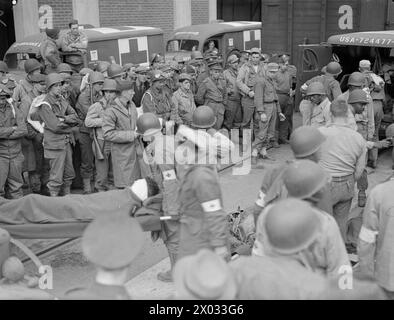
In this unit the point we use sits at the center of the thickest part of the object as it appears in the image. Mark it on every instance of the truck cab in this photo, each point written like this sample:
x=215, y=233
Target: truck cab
x=348, y=49
x=228, y=37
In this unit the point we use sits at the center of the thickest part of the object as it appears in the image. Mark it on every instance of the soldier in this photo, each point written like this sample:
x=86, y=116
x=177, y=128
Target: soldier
x=111, y=243
x=74, y=45
x=119, y=124
x=32, y=148
x=102, y=150
x=116, y=72
x=196, y=59
x=91, y=95
x=102, y=66
x=245, y=55
x=267, y=111
x=344, y=157
x=315, y=108
x=233, y=113
x=32, y=67
x=129, y=68
x=284, y=81
x=246, y=81
x=328, y=79
x=211, y=49
x=50, y=52
x=212, y=93
x=59, y=119
x=12, y=129
x=141, y=84
x=203, y=69
x=204, y=276
x=156, y=61
x=305, y=143
x=157, y=101
x=159, y=163
x=203, y=220
x=375, y=246
x=183, y=99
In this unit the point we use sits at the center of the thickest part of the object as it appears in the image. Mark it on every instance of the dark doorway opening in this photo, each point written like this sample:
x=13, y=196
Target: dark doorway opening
x=239, y=10
x=7, y=29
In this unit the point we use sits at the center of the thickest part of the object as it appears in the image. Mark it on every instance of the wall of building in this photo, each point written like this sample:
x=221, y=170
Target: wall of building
x=200, y=9
x=61, y=12
x=138, y=12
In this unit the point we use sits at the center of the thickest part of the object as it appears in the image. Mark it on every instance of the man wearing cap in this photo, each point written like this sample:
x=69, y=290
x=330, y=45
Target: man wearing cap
x=375, y=84
x=32, y=67
x=328, y=79
x=111, y=243
x=212, y=93
x=204, y=276
x=59, y=119
x=102, y=150
x=203, y=220
x=141, y=84
x=183, y=99
x=343, y=156
x=89, y=96
x=49, y=51
x=267, y=112
x=12, y=129
x=32, y=147
x=233, y=113
x=156, y=100
x=119, y=124
x=246, y=81
x=74, y=43
x=245, y=54
x=284, y=81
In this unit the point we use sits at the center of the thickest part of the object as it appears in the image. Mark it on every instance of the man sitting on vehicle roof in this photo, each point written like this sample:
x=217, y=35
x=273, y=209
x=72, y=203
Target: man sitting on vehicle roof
x=74, y=44
x=49, y=51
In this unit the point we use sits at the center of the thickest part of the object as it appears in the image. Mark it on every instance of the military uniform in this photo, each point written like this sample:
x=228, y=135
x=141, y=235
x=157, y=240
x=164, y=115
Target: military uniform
x=283, y=84
x=159, y=103
x=266, y=101
x=11, y=156
x=246, y=80
x=79, y=59
x=119, y=124
x=85, y=100
x=331, y=85
x=233, y=114
x=184, y=104
x=212, y=93
x=23, y=88
x=50, y=53
x=57, y=141
x=203, y=220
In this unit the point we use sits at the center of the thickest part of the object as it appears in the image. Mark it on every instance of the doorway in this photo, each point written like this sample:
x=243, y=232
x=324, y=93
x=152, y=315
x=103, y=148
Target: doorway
x=7, y=29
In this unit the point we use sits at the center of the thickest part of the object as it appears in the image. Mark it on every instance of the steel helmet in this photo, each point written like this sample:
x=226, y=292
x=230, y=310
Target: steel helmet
x=303, y=178
x=315, y=88
x=53, y=78
x=291, y=225
x=3, y=67
x=96, y=77
x=64, y=67
x=356, y=79
x=85, y=71
x=102, y=66
x=110, y=85
x=115, y=70
x=306, y=140
x=334, y=68
x=156, y=75
x=148, y=124
x=31, y=65
x=358, y=96
x=203, y=118
x=390, y=131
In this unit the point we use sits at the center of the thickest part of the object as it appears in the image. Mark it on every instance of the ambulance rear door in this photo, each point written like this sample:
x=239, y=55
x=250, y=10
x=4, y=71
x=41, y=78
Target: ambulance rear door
x=311, y=59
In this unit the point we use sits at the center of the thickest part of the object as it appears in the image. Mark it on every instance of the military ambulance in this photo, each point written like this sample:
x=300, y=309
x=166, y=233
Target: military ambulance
x=124, y=43
x=348, y=49
x=227, y=37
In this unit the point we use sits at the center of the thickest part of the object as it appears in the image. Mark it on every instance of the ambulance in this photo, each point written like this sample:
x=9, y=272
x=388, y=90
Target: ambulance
x=228, y=37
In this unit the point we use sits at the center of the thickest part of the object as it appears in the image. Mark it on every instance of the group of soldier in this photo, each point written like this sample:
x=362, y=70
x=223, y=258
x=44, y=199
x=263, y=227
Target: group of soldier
x=131, y=122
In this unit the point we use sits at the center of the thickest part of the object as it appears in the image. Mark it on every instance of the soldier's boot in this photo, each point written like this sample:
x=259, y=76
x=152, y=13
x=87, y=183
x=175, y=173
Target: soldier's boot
x=254, y=156
x=87, y=187
x=362, y=199
x=67, y=190
x=166, y=276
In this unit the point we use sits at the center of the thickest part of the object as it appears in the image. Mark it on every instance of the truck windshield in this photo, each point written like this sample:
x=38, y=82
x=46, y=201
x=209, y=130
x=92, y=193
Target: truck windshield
x=182, y=45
